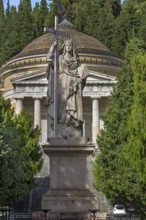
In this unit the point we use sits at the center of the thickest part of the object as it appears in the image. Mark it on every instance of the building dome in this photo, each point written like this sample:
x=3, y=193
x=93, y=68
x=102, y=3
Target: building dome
x=83, y=42
x=32, y=58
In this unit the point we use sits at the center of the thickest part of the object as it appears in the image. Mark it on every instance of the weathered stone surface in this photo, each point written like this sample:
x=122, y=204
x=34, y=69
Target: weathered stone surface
x=75, y=141
x=69, y=202
x=69, y=187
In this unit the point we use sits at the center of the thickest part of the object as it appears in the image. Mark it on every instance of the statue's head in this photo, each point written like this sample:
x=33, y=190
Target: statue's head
x=68, y=46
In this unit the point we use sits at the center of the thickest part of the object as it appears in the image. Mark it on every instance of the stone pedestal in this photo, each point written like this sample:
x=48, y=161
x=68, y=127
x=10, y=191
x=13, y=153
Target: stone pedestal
x=69, y=191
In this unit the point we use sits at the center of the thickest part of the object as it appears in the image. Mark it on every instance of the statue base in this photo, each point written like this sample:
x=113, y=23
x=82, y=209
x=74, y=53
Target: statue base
x=69, y=192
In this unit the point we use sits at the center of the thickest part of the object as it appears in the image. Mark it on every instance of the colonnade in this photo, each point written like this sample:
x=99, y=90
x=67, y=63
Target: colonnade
x=37, y=109
x=37, y=114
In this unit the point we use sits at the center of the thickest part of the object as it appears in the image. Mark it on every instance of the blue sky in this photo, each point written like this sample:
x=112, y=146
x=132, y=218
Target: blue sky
x=16, y=2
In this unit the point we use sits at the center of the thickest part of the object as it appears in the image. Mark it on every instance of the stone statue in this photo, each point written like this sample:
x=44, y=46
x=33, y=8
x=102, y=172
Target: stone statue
x=71, y=80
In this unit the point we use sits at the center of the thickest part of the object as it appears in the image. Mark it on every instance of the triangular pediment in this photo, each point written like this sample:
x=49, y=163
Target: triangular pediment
x=39, y=76
x=97, y=76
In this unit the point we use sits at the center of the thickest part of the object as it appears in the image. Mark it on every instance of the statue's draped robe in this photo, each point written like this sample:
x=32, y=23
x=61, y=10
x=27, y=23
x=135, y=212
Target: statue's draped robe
x=71, y=79
x=69, y=92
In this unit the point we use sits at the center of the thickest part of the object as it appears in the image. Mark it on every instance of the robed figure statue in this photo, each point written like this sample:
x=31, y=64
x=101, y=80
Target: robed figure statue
x=70, y=83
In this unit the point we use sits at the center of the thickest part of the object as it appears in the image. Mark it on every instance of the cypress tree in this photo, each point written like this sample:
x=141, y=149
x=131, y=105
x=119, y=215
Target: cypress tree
x=81, y=15
x=8, y=9
x=142, y=25
x=53, y=11
x=111, y=171
x=86, y=16
x=67, y=9
x=116, y=8
x=37, y=28
x=119, y=36
x=126, y=26
x=108, y=167
x=10, y=46
x=2, y=20
x=96, y=18
x=105, y=22
x=135, y=150
x=1, y=12
x=2, y=29
x=43, y=14
x=25, y=27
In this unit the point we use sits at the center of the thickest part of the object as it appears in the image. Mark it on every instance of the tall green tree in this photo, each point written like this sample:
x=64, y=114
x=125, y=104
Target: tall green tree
x=116, y=8
x=82, y=12
x=8, y=9
x=39, y=14
x=142, y=14
x=67, y=9
x=96, y=18
x=105, y=23
x=86, y=16
x=135, y=150
x=119, y=36
x=111, y=171
x=49, y=22
x=20, y=155
x=1, y=12
x=10, y=45
x=126, y=26
x=2, y=28
x=42, y=15
x=108, y=167
x=37, y=25
x=25, y=27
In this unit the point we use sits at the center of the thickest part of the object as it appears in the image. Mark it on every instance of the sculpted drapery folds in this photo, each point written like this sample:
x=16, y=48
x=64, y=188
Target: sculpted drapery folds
x=70, y=83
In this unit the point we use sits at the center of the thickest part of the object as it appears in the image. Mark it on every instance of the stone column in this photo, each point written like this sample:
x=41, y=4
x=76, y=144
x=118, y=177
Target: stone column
x=37, y=112
x=19, y=106
x=95, y=118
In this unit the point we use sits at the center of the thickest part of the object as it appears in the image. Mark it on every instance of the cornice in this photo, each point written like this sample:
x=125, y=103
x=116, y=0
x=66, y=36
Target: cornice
x=37, y=60
x=30, y=83
x=25, y=64
x=98, y=82
x=39, y=89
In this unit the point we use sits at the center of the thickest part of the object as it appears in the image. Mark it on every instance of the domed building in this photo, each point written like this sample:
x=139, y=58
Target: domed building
x=25, y=82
